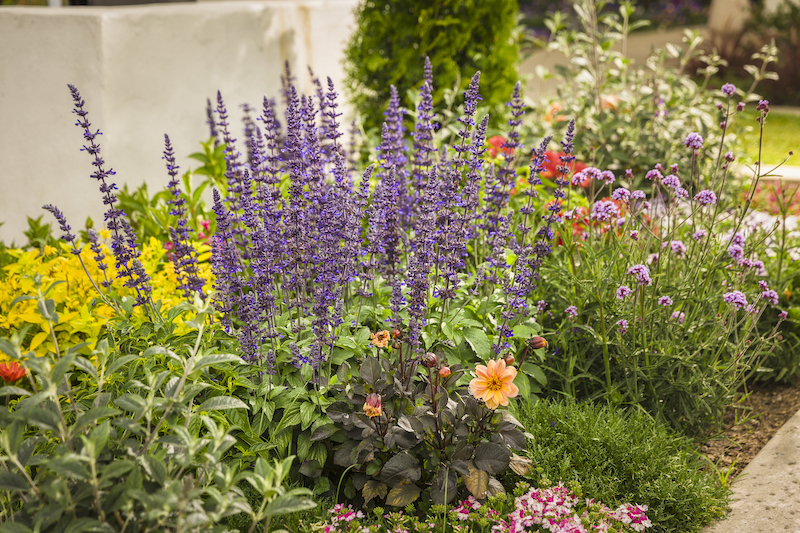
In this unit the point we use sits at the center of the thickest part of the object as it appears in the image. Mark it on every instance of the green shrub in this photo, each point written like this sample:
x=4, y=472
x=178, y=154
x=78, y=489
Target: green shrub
x=460, y=37
x=619, y=456
x=119, y=441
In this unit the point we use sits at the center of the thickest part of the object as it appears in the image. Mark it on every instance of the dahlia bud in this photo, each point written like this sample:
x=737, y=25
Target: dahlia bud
x=444, y=372
x=372, y=407
x=537, y=342
x=430, y=360
x=396, y=345
x=509, y=359
x=396, y=333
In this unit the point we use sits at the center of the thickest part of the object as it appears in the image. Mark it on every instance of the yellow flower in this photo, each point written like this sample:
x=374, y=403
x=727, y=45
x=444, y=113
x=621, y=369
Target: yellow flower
x=105, y=234
x=494, y=383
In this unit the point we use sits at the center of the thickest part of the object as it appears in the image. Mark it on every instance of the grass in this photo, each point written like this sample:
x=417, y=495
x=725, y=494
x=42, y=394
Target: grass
x=620, y=456
x=781, y=135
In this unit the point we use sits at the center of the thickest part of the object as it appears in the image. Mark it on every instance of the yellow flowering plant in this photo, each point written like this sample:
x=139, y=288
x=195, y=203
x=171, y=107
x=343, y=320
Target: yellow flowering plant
x=82, y=313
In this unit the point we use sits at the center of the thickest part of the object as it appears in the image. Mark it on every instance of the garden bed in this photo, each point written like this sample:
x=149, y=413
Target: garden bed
x=749, y=425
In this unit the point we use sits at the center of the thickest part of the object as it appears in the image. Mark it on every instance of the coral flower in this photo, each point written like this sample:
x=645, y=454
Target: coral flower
x=380, y=339
x=494, y=383
x=11, y=371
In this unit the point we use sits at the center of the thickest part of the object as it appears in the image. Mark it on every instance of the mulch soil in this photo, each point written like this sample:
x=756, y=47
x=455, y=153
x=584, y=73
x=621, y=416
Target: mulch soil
x=749, y=425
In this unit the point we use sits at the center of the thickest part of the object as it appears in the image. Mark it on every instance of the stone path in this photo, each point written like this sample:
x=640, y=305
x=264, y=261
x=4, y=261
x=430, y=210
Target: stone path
x=766, y=496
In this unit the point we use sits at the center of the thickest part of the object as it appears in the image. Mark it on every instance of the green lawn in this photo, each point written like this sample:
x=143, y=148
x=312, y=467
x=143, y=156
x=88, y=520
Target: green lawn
x=781, y=135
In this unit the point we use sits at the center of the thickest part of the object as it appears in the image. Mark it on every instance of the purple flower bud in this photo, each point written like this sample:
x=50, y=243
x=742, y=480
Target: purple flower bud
x=729, y=157
x=571, y=311
x=623, y=291
x=728, y=89
x=740, y=106
x=622, y=326
x=665, y=301
x=694, y=140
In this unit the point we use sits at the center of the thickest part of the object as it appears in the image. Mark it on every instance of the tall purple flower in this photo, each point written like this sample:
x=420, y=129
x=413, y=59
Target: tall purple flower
x=123, y=239
x=185, y=255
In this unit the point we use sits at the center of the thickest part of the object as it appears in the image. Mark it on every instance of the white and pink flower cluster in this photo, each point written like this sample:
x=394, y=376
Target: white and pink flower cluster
x=341, y=516
x=554, y=510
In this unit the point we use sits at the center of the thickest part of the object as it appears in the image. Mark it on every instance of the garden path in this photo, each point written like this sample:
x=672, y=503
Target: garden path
x=766, y=497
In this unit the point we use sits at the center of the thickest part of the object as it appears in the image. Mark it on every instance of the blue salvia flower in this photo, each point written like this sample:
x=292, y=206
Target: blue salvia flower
x=99, y=256
x=212, y=125
x=330, y=116
x=249, y=130
x=471, y=98
x=65, y=228
x=123, y=240
x=392, y=152
x=423, y=133
x=421, y=260
x=272, y=168
x=232, y=164
x=225, y=264
x=185, y=261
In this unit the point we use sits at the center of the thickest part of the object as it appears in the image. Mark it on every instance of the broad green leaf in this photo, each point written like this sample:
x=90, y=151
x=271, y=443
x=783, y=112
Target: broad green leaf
x=535, y=372
x=220, y=403
x=9, y=481
x=120, y=362
x=479, y=342
x=293, y=501
x=402, y=495
x=323, y=432
x=92, y=415
x=217, y=359
x=308, y=413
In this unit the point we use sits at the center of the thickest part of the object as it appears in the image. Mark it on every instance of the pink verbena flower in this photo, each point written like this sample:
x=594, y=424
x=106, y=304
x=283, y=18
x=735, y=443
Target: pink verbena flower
x=642, y=274
x=736, y=298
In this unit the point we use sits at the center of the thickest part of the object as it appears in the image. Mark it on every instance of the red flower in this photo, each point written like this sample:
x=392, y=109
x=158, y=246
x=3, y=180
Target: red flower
x=553, y=160
x=11, y=371
x=496, y=146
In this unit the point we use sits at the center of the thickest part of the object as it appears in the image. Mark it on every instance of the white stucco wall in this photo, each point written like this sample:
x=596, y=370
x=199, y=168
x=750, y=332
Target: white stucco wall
x=143, y=71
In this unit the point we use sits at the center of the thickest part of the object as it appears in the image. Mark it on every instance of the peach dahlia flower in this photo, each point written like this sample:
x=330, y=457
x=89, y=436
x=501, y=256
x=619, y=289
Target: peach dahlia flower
x=494, y=383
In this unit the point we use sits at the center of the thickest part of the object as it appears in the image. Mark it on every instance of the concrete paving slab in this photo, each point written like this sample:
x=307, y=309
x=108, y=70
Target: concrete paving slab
x=766, y=496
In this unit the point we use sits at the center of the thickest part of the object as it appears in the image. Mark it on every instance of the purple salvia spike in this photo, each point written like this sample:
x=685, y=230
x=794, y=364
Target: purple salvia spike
x=212, y=125
x=185, y=256
x=123, y=241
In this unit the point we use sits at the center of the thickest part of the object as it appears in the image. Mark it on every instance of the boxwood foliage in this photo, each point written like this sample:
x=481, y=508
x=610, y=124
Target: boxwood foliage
x=393, y=37
x=621, y=456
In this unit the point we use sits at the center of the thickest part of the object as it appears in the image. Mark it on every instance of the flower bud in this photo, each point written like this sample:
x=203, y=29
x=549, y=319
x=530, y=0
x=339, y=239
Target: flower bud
x=430, y=360
x=509, y=359
x=396, y=345
x=372, y=407
x=537, y=342
x=396, y=333
x=444, y=372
